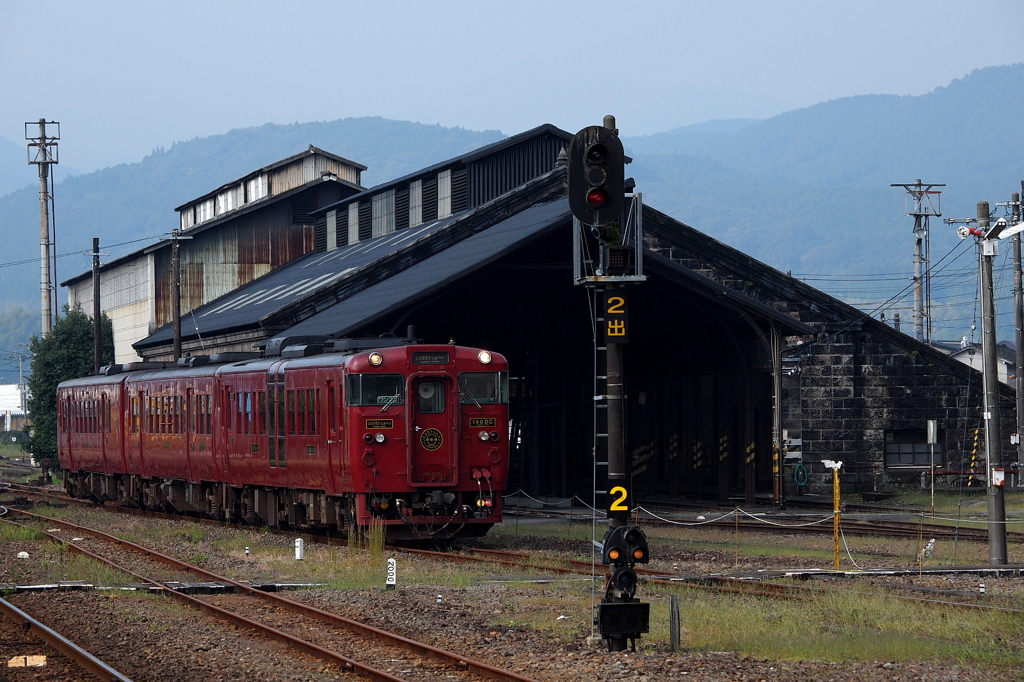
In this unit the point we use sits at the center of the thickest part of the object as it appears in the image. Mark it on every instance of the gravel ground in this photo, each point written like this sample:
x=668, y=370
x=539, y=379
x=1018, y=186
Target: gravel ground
x=154, y=638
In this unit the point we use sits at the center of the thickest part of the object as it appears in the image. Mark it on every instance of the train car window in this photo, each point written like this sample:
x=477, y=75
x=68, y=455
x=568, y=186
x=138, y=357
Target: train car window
x=430, y=397
x=312, y=398
x=376, y=389
x=208, y=410
x=483, y=388
x=261, y=411
x=135, y=414
x=301, y=420
x=248, y=412
x=291, y=413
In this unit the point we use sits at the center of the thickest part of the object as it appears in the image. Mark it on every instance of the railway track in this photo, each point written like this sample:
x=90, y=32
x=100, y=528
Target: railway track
x=89, y=663
x=720, y=583
x=281, y=618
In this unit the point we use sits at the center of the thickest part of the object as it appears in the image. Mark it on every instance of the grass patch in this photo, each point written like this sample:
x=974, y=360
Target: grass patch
x=838, y=626
x=73, y=566
x=12, y=533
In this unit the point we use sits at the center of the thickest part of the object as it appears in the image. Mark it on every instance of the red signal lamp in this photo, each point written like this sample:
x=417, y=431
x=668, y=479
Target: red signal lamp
x=597, y=197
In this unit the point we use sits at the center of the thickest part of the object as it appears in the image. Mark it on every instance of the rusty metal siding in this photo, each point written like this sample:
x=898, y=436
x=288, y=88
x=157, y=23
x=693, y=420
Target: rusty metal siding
x=219, y=261
x=497, y=173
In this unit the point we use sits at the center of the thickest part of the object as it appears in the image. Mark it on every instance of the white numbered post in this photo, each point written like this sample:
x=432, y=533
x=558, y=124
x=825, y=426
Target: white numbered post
x=392, y=579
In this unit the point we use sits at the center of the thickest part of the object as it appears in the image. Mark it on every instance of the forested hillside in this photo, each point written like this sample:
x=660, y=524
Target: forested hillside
x=806, y=191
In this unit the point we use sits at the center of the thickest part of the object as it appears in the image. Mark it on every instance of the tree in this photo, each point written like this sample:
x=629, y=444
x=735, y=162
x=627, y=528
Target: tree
x=67, y=353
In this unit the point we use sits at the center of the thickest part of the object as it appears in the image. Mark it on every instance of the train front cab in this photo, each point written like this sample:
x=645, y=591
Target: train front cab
x=427, y=433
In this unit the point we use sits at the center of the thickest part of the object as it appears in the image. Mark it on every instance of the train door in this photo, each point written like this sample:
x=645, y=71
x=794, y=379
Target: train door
x=434, y=417
x=334, y=438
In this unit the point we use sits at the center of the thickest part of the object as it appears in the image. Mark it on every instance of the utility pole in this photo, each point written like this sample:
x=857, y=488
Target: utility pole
x=176, y=238
x=176, y=293
x=45, y=155
x=925, y=203
x=1018, y=319
x=993, y=425
x=96, y=327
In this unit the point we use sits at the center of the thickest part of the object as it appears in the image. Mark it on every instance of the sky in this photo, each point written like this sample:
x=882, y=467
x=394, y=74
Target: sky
x=124, y=78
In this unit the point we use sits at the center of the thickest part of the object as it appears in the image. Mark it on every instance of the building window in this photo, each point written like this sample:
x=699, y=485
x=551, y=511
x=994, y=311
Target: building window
x=383, y=214
x=353, y=222
x=256, y=188
x=415, y=203
x=188, y=218
x=204, y=210
x=332, y=230
x=444, y=194
x=910, y=448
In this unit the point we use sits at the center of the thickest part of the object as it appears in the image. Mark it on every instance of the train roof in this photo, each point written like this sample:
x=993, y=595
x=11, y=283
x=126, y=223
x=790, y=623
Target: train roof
x=259, y=364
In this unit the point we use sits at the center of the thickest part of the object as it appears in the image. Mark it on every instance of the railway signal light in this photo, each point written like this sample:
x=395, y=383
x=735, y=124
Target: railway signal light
x=597, y=180
x=625, y=545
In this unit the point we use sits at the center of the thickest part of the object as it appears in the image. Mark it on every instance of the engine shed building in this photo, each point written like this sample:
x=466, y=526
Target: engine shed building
x=726, y=354
x=238, y=232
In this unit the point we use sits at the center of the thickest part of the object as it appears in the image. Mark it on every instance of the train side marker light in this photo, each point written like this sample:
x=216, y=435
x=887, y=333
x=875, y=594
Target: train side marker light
x=368, y=438
x=484, y=357
x=484, y=435
x=376, y=359
x=379, y=438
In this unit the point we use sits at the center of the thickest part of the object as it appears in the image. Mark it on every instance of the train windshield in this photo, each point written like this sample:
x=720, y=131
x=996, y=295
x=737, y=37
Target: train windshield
x=483, y=388
x=376, y=389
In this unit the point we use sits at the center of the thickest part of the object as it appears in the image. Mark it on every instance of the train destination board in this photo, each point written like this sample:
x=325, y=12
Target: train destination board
x=430, y=358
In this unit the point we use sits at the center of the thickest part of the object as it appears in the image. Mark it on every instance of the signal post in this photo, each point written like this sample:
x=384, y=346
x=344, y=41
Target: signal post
x=597, y=191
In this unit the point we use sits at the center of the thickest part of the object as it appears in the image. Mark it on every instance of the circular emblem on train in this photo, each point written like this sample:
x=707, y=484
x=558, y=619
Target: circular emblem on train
x=431, y=439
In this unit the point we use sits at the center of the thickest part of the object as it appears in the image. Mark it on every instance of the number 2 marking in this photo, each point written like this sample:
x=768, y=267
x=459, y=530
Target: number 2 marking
x=618, y=505
x=615, y=304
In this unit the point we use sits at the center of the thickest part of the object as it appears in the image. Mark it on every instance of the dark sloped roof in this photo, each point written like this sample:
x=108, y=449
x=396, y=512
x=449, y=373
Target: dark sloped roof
x=428, y=276
x=307, y=285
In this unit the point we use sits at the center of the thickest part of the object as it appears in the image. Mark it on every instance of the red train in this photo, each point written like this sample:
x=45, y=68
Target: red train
x=336, y=434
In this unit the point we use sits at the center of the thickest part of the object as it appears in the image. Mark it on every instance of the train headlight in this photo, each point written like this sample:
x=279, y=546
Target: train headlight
x=376, y=359
x=484, y=357
x=379, y=438
x=484, y=435
x=368, y=438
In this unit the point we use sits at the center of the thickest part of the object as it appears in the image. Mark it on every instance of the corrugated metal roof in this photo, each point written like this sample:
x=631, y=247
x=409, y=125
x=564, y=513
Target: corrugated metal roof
x=438, y=271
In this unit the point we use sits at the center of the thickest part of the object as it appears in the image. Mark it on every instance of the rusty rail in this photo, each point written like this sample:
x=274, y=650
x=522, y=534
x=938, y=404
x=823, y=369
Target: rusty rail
x=87, y=661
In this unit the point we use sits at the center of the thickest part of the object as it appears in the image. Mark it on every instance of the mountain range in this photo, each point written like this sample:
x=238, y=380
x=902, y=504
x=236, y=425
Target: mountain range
x=806, y=191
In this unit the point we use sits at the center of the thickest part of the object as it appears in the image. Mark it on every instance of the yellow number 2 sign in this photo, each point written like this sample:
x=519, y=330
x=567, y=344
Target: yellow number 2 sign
x=619, y=503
